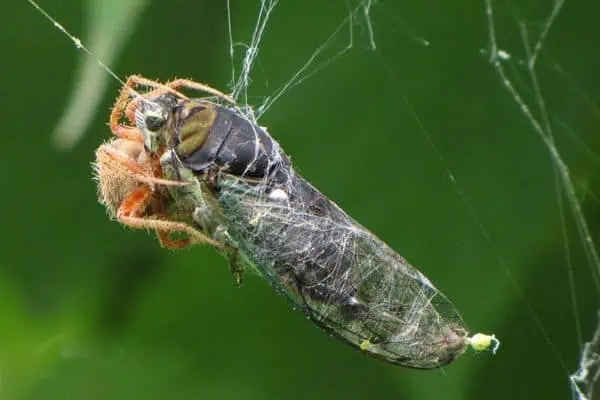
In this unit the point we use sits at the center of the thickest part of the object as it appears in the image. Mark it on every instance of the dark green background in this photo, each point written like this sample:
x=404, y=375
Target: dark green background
x=89, y=310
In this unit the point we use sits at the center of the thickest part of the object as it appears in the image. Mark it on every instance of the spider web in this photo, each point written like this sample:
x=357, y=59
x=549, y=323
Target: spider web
x=526, y=89
x=522, y=81
x=339, y=41
x=519, y=48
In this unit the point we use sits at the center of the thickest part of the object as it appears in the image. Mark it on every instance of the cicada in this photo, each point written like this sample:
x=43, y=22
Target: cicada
x=238, y=189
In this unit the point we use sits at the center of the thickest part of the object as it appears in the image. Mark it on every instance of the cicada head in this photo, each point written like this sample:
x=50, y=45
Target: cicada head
x=171, y=122
x=153, y=118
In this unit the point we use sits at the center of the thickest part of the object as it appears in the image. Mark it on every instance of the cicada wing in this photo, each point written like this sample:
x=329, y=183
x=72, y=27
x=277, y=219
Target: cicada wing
x=345, y=279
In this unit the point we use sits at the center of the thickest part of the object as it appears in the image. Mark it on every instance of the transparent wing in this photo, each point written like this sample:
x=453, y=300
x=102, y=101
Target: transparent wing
x=342, y=276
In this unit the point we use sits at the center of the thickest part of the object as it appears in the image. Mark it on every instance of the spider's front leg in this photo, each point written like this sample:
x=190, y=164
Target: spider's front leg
x=200, y=87
x=129, y=100
x=125, y=104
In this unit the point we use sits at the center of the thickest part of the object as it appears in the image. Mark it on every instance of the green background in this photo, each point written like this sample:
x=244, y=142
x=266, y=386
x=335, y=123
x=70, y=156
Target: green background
x=420, y=143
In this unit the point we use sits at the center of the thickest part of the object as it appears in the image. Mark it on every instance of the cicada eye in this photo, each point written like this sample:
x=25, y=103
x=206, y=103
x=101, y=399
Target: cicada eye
x=154, y=122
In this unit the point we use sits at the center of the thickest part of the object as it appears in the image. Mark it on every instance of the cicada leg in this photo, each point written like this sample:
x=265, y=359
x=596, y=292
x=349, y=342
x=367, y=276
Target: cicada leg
x=235, y=266
x=231, y=252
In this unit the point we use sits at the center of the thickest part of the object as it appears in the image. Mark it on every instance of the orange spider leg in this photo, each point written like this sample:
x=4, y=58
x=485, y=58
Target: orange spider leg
x=125, y=132
x=165, y=228
x=187, y=83
x=130, y=110
x=137, y=80
x=131, y=213
x=173, y=86
x=167, y=242
x=135, y=170
x=123, y=103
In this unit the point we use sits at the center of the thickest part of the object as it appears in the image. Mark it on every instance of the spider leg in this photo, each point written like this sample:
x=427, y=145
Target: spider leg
x=134, y=169
x=122, y=103
x=167, y=242
x=131, y=213
x=125, y=106
x=173, y=86
x=189, y=84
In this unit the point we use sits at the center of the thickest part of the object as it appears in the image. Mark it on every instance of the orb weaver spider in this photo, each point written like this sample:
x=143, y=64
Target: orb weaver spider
x=130, y=180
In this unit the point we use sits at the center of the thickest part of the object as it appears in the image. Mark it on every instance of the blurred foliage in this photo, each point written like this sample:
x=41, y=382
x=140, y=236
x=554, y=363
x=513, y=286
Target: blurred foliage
x=91, y=310
x=109, y=25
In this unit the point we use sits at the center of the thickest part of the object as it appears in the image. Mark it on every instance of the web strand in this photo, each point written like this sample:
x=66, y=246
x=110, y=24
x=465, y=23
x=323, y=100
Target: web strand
x=584, y=379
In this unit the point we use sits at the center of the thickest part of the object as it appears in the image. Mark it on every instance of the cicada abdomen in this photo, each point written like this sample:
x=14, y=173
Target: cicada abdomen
x=343, y=277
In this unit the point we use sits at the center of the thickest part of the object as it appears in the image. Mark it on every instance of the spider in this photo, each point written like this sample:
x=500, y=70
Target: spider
x=130, y=180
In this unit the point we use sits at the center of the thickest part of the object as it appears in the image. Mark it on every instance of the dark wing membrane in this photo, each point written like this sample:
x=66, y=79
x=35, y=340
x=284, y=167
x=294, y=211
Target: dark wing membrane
x=344, y=278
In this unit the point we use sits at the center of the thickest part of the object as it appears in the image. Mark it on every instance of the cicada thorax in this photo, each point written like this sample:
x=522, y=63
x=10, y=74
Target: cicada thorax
x=343, y=277
x=201, y=140
x=207, y=136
